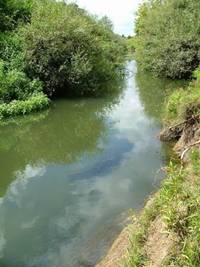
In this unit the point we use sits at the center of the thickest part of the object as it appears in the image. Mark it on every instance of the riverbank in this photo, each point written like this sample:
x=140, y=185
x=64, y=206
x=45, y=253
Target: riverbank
x=166, y=233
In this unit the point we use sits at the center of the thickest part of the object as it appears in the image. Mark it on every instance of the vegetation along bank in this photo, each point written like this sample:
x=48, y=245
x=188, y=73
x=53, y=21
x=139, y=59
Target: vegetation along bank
x=50, y=49
x=167, y=231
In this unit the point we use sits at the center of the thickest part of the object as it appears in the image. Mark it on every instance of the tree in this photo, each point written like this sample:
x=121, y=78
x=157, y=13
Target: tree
x=12, y=12
x=69, y=50
x=105, y=21
x=168, y=37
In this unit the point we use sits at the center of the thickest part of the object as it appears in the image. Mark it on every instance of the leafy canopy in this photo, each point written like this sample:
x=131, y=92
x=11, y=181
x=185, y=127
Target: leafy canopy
x=168, y=37
x=71, y=51
x=52, y=48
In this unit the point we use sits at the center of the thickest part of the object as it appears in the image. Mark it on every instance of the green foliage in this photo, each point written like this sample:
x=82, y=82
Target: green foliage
x=196, y=75
x=195, y=159
x=15, y=85
x=56, y=48
x=168, y=37
x=184, y=103
x=19, y=94
x=11, y=51
x=137, y=255
x=130, y=42
x=69, y=50
x=13, y=12
x=178, y=204
x=21, y=107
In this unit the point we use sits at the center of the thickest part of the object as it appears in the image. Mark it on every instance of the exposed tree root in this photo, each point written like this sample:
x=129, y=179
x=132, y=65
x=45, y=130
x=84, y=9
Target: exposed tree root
x=186, y=133
x=188, y=148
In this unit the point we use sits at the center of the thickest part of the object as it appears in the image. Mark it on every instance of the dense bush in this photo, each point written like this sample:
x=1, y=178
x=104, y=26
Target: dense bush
x=12, y=51
x=130, y=42
x=13, y=12
x=21, y=107
x=168, y=37
x=69, y=50
x=15, y=85
x=56, y=48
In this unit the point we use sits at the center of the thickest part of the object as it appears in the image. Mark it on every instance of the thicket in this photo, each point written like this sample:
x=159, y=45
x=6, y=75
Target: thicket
x=168, y=37
x=69, y=50
x=130, y=42
x=13, y=12
x=56, y=49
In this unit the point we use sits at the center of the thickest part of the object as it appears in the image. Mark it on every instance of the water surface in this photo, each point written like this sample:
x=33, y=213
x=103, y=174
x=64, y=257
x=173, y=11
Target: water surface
x=69, y=175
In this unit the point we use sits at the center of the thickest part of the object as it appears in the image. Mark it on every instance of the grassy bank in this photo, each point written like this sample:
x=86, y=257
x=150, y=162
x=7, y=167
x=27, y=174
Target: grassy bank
x=168, y=230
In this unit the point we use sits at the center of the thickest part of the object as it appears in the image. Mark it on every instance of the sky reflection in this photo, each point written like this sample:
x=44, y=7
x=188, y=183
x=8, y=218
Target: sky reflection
x=60, y=213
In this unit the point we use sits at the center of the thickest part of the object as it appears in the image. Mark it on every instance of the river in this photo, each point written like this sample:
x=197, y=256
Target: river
x=69, y=175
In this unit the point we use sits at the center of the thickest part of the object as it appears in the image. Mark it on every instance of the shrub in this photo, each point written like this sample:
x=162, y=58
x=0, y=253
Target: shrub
x=21, y=107
x=55, y=48
x=13, y=12
x=15, y=85
x=69, y=50
x=168, y=37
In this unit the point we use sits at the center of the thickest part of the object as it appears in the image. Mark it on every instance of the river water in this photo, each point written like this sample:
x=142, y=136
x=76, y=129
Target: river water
x=69, y=175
